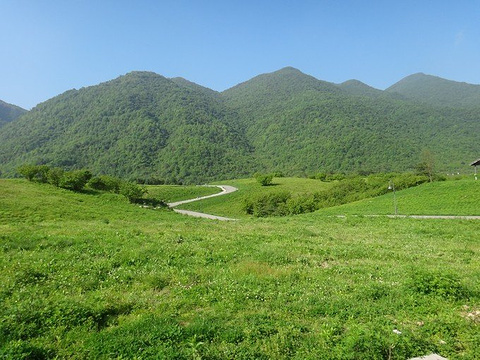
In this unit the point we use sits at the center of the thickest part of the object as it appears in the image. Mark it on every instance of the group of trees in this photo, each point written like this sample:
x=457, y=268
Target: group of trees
x=78, y=180
x=283, y=203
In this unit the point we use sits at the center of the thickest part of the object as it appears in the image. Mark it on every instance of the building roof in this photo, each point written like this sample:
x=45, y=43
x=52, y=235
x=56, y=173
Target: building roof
x=475, y=163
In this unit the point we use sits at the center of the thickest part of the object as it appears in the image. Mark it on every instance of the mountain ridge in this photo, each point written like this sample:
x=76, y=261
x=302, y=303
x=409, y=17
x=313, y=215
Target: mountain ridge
x=144, y=125
x=9, y=112
x=437, y=91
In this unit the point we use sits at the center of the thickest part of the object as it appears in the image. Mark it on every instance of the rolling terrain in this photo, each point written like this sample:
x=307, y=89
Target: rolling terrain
x=145, y=126
x=89, y=275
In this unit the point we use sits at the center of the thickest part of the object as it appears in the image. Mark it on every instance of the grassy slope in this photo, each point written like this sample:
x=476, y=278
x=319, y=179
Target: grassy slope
x=233, y=205
x=91, y=276
x=171, y=193
x=461, y=197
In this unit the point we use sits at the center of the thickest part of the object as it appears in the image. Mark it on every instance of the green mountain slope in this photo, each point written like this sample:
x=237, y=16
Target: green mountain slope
x=355, y=87
x=140, y=125
x=437, y=91
x=298, y=124
x=9, y=112
x=143, y=125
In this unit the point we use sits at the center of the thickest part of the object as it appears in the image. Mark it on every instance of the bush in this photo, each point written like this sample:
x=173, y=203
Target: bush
x=75, y=180
x=55, y=175
x=273, y=204
x=105, y=183
x=34, y=172
x=132, y=192
x=264, y=179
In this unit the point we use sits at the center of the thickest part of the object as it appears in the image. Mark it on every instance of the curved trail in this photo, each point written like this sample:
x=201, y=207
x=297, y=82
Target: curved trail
x=226, y=189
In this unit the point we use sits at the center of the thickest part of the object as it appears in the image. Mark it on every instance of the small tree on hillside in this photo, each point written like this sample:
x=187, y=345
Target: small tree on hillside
x=132, y=192
x=55, y=175
x=426, y=166
x=34, y=172
x=264, y=179
x=75, y=180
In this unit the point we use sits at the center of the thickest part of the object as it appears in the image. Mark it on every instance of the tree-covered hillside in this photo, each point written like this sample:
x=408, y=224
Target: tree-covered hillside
x=140, y=125
x=143, y=125
x=9, y=112
x=297, y=124
x=437, y=91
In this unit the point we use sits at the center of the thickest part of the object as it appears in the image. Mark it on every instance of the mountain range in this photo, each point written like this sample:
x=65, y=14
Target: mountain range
x=143, y=125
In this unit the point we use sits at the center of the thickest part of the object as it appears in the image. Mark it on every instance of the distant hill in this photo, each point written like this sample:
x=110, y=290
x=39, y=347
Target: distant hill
x=436, y=91
x=355, y=87
x=9, y=112
x=143, y=125
x=195, y=87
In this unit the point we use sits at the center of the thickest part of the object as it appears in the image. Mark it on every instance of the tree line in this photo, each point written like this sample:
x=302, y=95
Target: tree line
x=82, y=179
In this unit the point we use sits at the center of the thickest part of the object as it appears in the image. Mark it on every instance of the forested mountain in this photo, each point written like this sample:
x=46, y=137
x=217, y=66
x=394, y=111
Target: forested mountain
x=355, y=87
x=140, y=125
x=9, y=112
x=437, y=91
x=297, y=123
x=143, y=125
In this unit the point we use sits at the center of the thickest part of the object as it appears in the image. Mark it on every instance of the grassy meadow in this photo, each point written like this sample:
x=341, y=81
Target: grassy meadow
x=454, y=197
x=172, y=193
x=90, y=276
x=233, y=207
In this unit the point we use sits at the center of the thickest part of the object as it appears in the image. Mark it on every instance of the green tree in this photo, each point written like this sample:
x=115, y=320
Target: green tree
x=28, y=171
x=55, y=175
x=132, y=192
x=75, y=180
x=34, y=172
x=426, y=166
x=264, y=179
x=105, y=183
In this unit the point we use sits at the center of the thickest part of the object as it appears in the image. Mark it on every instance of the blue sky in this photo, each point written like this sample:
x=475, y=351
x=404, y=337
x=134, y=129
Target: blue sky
x=51, y=46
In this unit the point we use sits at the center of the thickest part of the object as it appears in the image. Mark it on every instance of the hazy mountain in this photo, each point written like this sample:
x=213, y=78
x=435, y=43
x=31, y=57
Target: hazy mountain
x=355, y=87
x=437, y=91
x=9, y=112
x=144, y=125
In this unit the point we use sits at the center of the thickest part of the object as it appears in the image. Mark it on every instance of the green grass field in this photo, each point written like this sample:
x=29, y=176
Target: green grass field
x=171, y=193
x=90, y=276
x=233, y=205
x=454, y=197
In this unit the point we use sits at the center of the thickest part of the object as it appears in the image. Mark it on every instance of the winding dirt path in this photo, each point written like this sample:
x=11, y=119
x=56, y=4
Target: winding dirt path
x=226, y=189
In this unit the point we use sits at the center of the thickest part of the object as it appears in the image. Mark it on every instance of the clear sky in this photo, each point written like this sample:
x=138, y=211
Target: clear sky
x=51, y=46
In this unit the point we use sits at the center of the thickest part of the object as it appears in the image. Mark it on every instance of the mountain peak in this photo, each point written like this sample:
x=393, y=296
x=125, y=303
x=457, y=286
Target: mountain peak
x=435, y=90
x=9, y=112
x=356, y=87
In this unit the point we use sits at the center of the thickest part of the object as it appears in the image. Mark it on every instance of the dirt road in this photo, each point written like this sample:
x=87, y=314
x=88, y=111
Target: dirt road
x=226, y=189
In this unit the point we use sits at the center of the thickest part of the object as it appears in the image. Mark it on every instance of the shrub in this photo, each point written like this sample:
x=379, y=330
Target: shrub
x=54, y=176
x=264, y=179
x=132, y=192
x=75, y=180
x=34, y=172
x=105, y=183
x=272, y=204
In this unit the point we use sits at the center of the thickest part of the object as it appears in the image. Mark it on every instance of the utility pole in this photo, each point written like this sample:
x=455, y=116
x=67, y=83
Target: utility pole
x=391, y=186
